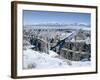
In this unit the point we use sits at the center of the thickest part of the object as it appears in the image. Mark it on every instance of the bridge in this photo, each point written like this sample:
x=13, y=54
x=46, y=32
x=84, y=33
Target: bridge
x=67, y=39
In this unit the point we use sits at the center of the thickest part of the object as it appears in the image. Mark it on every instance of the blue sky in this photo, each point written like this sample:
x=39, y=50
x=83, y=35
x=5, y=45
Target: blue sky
x=37, y=17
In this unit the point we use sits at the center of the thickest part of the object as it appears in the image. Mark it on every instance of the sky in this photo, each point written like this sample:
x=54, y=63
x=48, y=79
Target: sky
x=31, y=17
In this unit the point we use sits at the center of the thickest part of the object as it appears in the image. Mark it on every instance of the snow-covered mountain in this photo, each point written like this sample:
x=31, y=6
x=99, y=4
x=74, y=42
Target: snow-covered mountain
x=59, y=26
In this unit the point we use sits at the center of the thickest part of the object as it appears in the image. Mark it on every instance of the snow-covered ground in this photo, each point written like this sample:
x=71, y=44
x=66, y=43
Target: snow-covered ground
x=39, y=60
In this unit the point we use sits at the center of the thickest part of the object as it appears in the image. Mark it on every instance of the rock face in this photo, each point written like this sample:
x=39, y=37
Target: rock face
x=40, y=45
x=79, y=49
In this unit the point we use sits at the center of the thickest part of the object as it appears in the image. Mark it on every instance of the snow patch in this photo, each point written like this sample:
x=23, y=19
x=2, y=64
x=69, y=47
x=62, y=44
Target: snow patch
x=34, y=59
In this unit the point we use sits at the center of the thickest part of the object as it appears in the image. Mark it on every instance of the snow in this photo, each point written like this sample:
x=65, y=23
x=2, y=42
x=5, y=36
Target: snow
x=82, y=63
x=39, y=60
x=52, y=53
